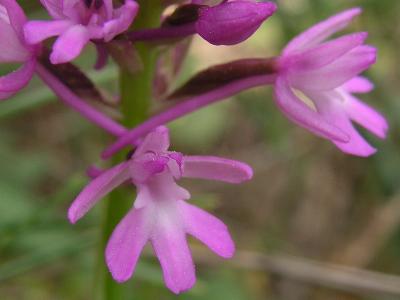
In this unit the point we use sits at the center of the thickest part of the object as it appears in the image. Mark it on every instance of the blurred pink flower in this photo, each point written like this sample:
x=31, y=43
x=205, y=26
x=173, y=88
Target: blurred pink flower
x=326, y=73
x=13, y=49
x=160, y=213
x=76, y=22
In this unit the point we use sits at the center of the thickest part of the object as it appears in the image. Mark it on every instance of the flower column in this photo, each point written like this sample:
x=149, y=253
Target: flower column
x=135, y=93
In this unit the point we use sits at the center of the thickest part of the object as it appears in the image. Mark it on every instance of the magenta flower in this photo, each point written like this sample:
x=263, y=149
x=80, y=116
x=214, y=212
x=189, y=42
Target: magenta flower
x=76, y=22
x=326, y=73
x=227, y=23
x=232, y=22
x=13, y=49
x=160, y=213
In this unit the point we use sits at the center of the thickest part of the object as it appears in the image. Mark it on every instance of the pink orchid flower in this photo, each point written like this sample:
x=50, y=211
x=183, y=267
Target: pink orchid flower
x=326, y=72
x=76, y=22
x=160, y=213
x=13, y=49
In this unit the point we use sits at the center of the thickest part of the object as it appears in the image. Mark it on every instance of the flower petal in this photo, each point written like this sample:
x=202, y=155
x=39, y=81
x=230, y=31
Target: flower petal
x=230, y=23
x=330, y=105
x=156, y=141
x=18, y=79
x=70, y=44
x=171, y=248
x=327, y=52
x=337, y=73
x=366, y=116
x=302, y=115
x=359, y=85
x=54, y=8
x=123, y=17
x=38, y=31
x=126, y=243
x=216, y=168
x=97, y=189
x=321, y=31
x=11, y=48
x=208, y=229
x=16, y=16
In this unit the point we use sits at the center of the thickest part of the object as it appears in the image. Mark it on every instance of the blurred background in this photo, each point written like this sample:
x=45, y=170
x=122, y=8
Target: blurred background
x=314, y=224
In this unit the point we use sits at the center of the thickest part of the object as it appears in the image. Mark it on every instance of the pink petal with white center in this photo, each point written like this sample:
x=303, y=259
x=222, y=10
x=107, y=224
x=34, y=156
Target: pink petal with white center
x=18, y=79
x=16, y=16
x=123, y=18
x=208, y=229
x=321, y=31
x=337, y=73
x=358, y=85
x=97, y=189
x=70, y=44
x=54, y=8
x=330, y=105
x=326, y=53
x=366, y=116
x=299, y=113
x=156, y=141
x=38, y=31
x=11, y=48
x=171, y=248
x=126, y=243
x=216, y=168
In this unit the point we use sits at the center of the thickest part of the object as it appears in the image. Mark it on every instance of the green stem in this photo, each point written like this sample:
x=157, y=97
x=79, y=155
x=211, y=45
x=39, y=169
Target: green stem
x=136, y=93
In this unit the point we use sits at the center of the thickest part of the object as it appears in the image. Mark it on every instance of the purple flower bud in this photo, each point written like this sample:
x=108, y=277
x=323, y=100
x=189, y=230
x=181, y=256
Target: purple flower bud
x=232, y=22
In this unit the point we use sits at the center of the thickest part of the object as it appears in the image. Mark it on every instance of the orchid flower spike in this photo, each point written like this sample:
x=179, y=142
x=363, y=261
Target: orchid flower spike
x=324, y=74
x=160, y=213
x=76, y=22
x=14, y=49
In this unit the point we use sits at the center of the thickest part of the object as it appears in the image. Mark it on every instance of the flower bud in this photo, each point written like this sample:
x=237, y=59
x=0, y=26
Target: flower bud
x=232, y=22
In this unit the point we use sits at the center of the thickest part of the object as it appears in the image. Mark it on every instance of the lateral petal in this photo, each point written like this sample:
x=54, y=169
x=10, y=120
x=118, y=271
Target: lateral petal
x=216, y=168
x=337, y=73
x=327, y=52
x=302, y=115
x=208, y=229
x=16, y=16
x=70, y=44
x=126, y=243
x=18, y=79
x=54, y=8
x=97, y=189
x=38, y=31
x=321, y=31
x=366, y=116
x=11, y=47
x=123, y=18
x=330, y=106
x=358, y=85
